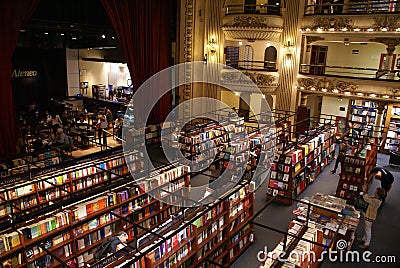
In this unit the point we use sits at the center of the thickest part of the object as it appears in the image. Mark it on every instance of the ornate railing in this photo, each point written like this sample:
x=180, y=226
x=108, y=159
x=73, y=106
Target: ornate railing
x=351, y=72
x=252, y=65
x=352, y=7
x=253, y=9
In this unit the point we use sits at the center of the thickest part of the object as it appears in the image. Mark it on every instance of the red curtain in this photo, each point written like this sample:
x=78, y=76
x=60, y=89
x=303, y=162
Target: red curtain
x=13, y=15
x=144, y=30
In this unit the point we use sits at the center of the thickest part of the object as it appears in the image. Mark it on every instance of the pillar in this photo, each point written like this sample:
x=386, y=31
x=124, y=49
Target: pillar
x=288, y=63
x=389, y=60
x=378, y=120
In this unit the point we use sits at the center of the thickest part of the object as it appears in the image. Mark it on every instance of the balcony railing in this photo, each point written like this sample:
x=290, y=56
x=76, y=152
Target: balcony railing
x=252, y=65
x=353, y=7
x=253, y=9
x=351, y=72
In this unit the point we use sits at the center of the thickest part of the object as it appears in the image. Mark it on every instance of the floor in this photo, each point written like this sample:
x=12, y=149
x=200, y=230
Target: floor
x=385, y=233
x=94, y=148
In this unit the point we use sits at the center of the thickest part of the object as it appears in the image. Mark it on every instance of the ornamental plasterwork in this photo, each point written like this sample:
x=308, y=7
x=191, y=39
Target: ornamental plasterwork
x=258, y=78
x=390, y=42
x=329, y=84
x=249, y=21
x=389, y=22
x=253, y=34
x=336, y=23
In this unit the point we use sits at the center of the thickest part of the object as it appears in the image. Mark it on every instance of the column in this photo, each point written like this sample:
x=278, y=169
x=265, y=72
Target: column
x=389, y=59
x=378, y=120
x=288, y=63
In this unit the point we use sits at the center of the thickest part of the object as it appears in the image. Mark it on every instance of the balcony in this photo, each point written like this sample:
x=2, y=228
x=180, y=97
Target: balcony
x=352, y=7
x=264, y=9
x=262, y=73
x=351, y=72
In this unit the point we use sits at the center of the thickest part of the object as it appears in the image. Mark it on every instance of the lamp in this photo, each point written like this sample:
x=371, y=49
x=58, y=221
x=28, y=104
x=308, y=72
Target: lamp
x=288, y=49
x=346, y=42
x=212, y=45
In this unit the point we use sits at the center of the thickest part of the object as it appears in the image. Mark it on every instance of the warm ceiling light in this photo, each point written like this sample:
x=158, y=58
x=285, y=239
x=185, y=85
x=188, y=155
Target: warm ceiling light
x=384, y=29
x=73, y=38
x=237, y=94
x=347, y=92
x=301, y=88
x=22, y=30
x=344, y=29
x=360, y=94
x=308, y=29
x=313, y=88
x=370, y=30
x=46, y=33
x=398, y=29
x=113, y=37
x=357, y=29
x=61, y=34
x=263, y=96
x=372, y=95
x=324, y=90
x=319, y=30
x=331, y=29
x=385, y=96
x=103, y=36
x=335, y=91
x=240, y=43
x=398, y=97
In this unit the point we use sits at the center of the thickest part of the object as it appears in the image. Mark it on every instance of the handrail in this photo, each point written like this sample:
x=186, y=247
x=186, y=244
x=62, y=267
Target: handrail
x=350, y=71
x=263, y=9
x=361, y=7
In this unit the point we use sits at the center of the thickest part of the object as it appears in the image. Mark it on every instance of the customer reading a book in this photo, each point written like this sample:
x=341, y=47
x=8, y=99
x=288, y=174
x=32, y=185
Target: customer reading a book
x=374, y=203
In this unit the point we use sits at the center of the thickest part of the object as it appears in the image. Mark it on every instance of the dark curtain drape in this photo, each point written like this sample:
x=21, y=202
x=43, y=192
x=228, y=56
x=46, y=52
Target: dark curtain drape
x=144, y=31
x=13, y=15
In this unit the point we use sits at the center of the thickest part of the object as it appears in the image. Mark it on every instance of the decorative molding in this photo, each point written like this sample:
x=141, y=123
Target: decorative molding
x=312, y=39
x=390, y=42
x=388, y=22
x=252, y=33
x=249, y=21
x=333, y=22
x=258, y=78
x=329, y=84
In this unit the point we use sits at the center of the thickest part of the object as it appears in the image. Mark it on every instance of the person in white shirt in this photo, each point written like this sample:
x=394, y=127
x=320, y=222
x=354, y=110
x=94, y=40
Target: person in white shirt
x=102, y=125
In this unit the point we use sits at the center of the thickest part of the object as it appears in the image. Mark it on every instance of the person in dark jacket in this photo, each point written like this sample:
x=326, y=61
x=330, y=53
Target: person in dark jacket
x=118, y=242
x=385, y=177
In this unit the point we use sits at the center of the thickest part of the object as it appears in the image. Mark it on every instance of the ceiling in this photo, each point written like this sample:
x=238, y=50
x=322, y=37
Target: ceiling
x=74, y=24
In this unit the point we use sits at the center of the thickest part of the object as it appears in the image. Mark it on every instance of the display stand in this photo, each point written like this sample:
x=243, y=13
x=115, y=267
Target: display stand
x=299, y=162
x=355, y=170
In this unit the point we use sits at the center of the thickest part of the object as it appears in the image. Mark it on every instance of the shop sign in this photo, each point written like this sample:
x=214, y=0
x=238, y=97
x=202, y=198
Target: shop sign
x=22, y=74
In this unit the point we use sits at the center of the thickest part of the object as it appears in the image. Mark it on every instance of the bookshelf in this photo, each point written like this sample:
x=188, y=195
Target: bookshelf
x=355, y=171
x=361, y=120
x=392, y=124
x=73, y=232
x=25, y=164
x=321, y=221
x=297, y=166
x=220, y=233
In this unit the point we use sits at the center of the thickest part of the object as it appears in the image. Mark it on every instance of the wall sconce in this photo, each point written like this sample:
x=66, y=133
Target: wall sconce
x=212, y=45
x=288, y=49
x=346, y=42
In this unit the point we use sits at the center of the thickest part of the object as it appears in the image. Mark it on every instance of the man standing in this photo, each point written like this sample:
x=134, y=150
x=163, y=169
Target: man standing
x=385, y=177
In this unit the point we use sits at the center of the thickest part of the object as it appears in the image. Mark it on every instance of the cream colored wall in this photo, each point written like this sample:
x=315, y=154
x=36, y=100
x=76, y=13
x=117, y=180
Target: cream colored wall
x=331, y=105
x=230, y=98
x=341, y=55
x=258, y=46
x=255, y=103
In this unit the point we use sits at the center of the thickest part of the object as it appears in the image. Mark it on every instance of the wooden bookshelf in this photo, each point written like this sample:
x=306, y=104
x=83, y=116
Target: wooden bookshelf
x=74, y=233
x=295, y=168
x=355, y=170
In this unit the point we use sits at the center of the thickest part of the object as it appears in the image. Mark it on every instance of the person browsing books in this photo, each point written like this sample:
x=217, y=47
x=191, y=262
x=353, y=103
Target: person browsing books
x=343, y=147
x=385, y=177
x=118, y=242
x=374, y=202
